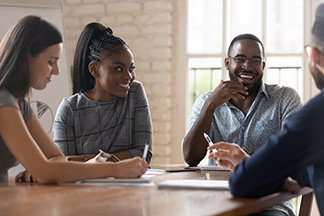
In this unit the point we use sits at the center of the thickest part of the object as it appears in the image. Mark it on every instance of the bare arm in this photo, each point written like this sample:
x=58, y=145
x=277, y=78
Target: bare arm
x=35, y=156
x=194, y=145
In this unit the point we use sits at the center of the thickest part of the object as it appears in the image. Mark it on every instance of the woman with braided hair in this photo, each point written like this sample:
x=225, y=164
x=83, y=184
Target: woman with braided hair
x=109, y=108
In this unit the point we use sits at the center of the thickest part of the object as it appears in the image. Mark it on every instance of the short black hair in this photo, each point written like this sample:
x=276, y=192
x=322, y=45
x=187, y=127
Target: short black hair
x=246, y=36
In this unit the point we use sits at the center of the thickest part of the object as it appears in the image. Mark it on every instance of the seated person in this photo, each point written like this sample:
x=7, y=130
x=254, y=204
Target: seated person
x=242, y=110
x=108, y=109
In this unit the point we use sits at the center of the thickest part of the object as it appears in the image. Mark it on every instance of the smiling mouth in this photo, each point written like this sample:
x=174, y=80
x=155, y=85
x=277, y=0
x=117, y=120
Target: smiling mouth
x=246, y=77
x=124, y=86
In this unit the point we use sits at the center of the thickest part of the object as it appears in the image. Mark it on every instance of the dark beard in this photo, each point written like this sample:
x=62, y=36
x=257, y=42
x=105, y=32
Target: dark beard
x=317, y=76
x=255, y=87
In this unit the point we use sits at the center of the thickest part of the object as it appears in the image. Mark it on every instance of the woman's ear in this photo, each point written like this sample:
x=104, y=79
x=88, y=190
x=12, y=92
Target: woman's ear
x=92, y=67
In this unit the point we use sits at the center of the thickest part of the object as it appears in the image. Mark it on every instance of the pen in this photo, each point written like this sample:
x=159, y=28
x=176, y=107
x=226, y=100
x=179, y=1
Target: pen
x=146, y=148
x=210, y=143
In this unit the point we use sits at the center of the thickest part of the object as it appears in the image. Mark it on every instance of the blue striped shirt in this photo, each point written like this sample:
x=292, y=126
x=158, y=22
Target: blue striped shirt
x=267, y=114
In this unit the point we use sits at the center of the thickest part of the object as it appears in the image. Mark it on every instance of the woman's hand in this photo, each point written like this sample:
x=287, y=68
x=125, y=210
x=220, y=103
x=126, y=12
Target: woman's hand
x=103, y=157
x=24, y=176
x=131, y=168
x=228, y=155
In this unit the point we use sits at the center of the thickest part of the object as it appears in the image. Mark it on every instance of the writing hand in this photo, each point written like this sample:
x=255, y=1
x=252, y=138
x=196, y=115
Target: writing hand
x=24, y=176
x=228, y=155
x=291, y=186
x=103, y=157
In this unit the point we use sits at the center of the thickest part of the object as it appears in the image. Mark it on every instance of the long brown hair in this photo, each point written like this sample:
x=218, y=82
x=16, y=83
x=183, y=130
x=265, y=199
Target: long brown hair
x=28, y=37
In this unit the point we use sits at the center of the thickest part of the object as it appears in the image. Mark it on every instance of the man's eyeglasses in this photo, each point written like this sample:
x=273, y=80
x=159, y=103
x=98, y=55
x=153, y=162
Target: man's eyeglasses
x=256, y=61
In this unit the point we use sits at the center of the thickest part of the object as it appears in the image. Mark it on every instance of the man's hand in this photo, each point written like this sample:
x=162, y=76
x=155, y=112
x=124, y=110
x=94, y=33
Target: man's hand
x=228, y=155
x=227, y=90
x=291, y=186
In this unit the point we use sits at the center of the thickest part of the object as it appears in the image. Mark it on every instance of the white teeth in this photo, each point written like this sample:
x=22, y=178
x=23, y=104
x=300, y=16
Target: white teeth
x=124, y=85
x=246, y=76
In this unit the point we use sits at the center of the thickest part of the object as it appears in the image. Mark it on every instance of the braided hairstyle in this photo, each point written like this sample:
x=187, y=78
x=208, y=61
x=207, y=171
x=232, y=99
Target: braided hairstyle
x=95, y=41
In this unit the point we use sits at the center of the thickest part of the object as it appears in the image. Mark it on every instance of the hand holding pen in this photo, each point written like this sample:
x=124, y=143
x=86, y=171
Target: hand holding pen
x=210, y=143
x=145, y=151
x=103, y=157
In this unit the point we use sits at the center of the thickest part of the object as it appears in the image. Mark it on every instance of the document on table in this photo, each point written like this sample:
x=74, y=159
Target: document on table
x=118, y=180
x=194, y=184
x=146, y=178
x=212, y=168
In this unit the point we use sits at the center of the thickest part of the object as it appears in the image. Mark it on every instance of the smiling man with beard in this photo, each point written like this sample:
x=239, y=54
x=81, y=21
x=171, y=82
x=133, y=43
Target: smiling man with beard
x=242, y=110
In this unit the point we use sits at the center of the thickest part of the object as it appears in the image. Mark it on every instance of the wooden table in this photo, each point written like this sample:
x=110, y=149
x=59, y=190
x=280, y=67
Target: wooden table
x=84, y=199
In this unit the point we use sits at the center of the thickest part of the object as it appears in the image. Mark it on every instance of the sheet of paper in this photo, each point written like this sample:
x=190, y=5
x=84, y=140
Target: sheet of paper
x=146, y=178
x=194, y=184
x=118, y=180
x=213, y=168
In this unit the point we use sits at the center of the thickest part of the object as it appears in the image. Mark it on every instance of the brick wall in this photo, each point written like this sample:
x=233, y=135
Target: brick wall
x=147, y=27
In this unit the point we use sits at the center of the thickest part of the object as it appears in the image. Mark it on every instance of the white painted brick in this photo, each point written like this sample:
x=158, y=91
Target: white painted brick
x=161, y=150
x=142, y=66
x=71, y=22
x=127, y=30
x=158, y=111
x=162, y=41
x=161, y=116
x=162, y=136
x=159, y=102
x=162, y=127
x=162, y=17
x=87, y=20
x=163, y=29
x=71, y=2
x=91, y=1
x=117, y=7
x=161, y=90
x=66, y=11
x=96, y=10
x=153, y=42
x=153, y=54
x=157, y=6
x=158, y=159
x=153, y=18
x=124, y=19
x=142, y=18
x=160, y=53
x=162, y=78
x=161, y=66
x=108, y=20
